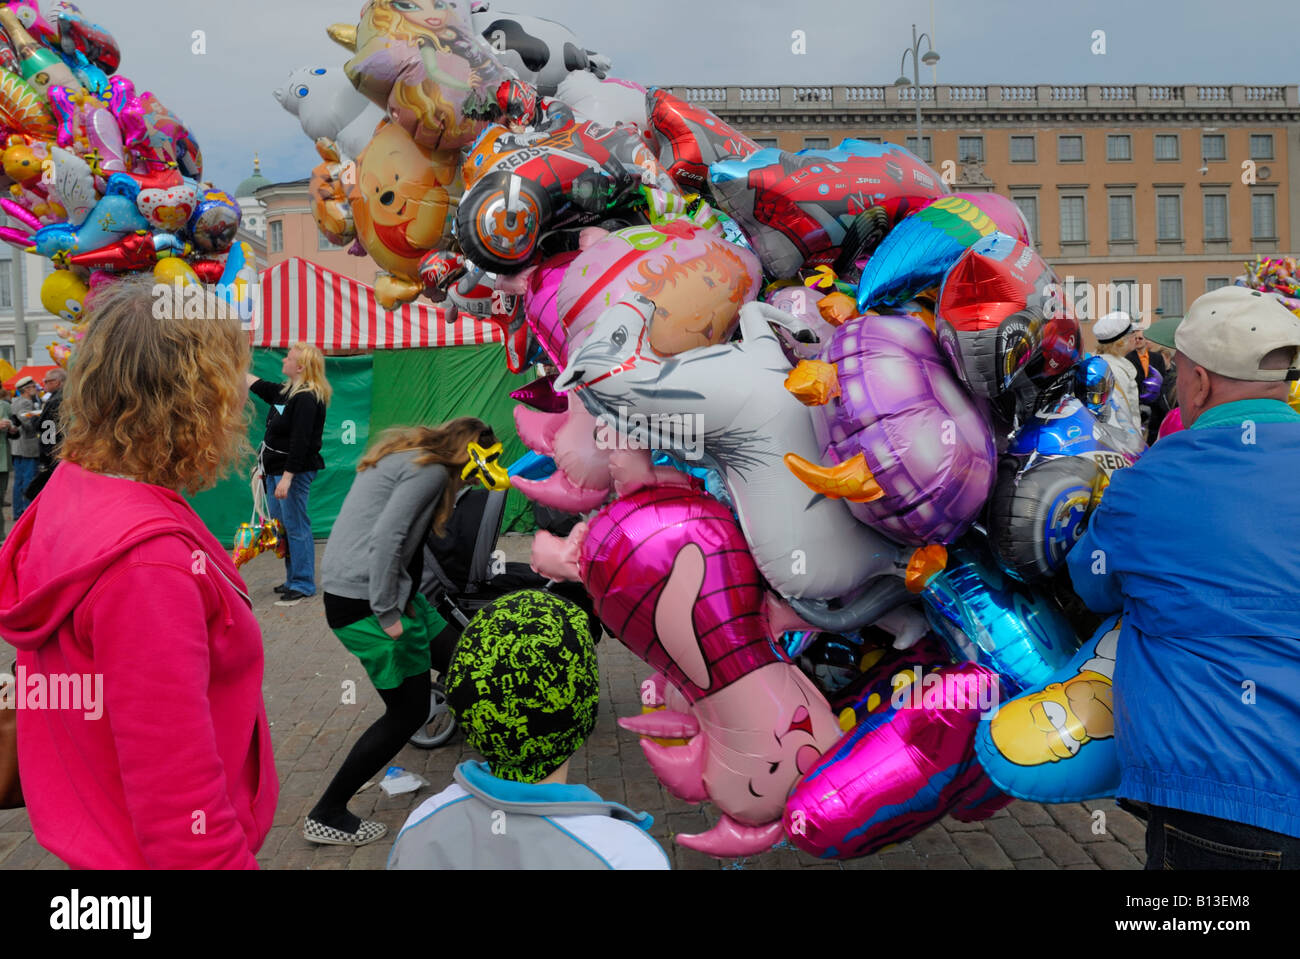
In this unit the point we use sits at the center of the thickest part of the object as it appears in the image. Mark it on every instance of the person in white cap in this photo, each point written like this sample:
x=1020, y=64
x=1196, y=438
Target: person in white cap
x=25, y=415
x=1114, y=333
x=1195, y=543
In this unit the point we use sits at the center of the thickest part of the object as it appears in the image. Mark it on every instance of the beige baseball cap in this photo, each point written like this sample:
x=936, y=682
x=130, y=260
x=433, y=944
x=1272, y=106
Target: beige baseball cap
x=1230, y=330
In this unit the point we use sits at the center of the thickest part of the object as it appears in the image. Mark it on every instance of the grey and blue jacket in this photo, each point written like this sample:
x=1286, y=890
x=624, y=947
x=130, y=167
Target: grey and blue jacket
x=481, y=822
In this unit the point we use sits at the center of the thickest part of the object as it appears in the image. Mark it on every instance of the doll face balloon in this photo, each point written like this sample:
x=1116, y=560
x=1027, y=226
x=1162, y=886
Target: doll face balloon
x=422, y=61
x=399, y=200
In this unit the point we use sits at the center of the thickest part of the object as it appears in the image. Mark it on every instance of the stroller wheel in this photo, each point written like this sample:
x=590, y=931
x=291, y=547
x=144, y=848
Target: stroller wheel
x=440, y=726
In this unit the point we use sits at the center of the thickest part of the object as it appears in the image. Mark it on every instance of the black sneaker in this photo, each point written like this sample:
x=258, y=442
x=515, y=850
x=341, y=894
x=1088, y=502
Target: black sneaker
x=282, y=588
x=291, y=597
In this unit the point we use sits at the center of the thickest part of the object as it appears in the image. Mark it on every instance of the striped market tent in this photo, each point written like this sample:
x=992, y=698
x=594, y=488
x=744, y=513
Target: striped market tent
x=305, y=302
x=409, y=367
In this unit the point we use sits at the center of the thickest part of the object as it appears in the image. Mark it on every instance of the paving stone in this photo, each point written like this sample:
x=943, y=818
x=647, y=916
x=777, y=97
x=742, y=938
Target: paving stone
x=1036, y=863
x=1077, y=821
x=1012, y=838
x=947, y=860
x=1112, y=855
x=1058, y=845
x=982, y=851
x=1029, y=814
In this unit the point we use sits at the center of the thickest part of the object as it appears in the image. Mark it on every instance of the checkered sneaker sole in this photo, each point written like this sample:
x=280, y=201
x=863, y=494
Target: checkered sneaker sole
x=366, y=833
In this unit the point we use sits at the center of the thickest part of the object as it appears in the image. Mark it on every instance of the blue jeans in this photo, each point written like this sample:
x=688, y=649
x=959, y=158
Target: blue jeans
x=1184, y=840
x=25, y=469
x=300, y=564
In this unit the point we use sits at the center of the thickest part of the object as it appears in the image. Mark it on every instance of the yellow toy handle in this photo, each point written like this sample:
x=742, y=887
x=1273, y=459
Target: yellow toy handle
x=485, y=467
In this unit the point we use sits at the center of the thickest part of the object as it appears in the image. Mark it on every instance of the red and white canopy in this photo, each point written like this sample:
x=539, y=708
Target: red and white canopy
x=305, y=302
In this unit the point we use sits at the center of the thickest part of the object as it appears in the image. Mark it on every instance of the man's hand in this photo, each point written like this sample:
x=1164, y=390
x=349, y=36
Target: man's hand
x=282, y=487
x=394, y=631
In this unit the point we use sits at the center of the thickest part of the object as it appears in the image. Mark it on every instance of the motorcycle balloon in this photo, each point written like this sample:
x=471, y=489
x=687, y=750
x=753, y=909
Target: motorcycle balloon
x=1037, y=514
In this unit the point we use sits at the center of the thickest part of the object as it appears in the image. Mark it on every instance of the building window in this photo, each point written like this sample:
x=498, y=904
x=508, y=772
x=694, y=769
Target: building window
x=1171, y=297
x=1213, y=283
x=1169, y=218
x=765, y=142
x=1069, y=149
x=1121, y=219
x=869, y=139
x=1023, y=150
x=6, y=291
x=277, y=236
x=1166, y=146
x=970, y=149
x=1216, y=216
x=816, y=143
x=1261, y=146
x=1072, y=220
x=1119, y=146
x=1214, y=146
x=926, y=152
x=1029, y=210
x=1122, y=295
x=1263, y=216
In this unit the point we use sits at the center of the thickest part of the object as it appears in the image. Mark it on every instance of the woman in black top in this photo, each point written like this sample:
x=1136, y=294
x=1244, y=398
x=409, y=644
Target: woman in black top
x=290, y=459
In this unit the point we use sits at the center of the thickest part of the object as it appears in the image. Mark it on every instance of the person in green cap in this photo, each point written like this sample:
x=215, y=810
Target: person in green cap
x=524, y=686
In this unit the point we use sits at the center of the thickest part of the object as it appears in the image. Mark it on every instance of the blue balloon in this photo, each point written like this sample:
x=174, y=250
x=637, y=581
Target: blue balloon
x=986, y=617
x=532, y=466
x=113, y=217
x=1056, y=743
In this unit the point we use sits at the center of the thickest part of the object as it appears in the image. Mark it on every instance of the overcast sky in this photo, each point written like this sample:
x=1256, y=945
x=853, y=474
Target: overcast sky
x=252, y=45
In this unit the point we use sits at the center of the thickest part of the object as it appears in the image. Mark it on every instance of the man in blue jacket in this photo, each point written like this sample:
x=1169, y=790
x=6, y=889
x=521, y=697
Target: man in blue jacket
x=1196, y=543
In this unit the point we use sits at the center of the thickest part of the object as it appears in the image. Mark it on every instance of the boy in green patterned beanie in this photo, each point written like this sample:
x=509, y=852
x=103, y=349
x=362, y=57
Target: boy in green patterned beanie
x=524, y=685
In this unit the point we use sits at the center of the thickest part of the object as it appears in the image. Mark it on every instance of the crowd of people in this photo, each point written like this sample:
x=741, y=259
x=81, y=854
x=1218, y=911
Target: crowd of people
x=111, y=551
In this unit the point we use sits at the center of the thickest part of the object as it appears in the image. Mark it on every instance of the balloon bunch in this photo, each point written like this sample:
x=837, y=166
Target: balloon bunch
x=261, y=536
x=1280, y=276
x=98, y=177
x=831, y=428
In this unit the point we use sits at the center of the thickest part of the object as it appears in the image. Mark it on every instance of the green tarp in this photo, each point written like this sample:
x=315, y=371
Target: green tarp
x=372, y=393
x=347, y=432
x=432, y=386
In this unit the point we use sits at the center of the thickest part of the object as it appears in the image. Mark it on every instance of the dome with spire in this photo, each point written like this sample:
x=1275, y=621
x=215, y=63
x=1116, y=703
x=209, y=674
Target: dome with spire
x=254, y=183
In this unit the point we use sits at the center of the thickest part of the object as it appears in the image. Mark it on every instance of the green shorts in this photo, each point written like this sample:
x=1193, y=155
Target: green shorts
x=387, y=661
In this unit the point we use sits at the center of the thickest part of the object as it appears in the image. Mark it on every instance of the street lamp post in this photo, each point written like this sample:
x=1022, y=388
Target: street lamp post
x=930, y=58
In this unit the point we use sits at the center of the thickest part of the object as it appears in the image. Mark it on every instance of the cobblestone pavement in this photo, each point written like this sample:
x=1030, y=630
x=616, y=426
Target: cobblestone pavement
x=306, y=669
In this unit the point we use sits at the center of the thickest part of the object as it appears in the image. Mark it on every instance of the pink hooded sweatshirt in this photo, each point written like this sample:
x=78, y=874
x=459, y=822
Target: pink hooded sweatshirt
x=120, y=582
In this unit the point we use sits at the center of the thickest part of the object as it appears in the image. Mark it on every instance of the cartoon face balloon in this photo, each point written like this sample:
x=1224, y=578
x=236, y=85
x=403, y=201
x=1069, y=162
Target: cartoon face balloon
x=215, y=221
x=399, y=200
x=64, y=294
x=328, y=106
x=696, y=280
x=422, y=62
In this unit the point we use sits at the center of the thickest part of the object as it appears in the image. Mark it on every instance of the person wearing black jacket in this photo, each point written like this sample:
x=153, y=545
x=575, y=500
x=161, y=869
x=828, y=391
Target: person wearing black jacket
x=1147, y=361
x=49, y=431
x=290, y=458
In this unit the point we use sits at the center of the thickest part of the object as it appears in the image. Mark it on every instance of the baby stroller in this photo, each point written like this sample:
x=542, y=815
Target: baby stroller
x=463, y=572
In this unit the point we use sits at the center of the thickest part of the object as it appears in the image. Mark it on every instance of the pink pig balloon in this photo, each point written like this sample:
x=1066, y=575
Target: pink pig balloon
x=671, y=575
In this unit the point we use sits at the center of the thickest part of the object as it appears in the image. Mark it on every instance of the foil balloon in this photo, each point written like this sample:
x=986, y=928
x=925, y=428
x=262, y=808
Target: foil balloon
x=738, y=390
x=329, y=107
x=113, y=217
x=133, y=253
x=24, y=109
x=1003, y=322
x=828, y=206
x=1056, y=743
x=909, y=451
x=215, y=221
x=63, y=294
x=172, y=270
x=80, y=36
x=919, y=251
x=105, y=138
x=329, y=202
x=39, y=65
x=988, y=618
x=169, y=141
x=582, y=479
x=691, y=139
x=801, y=302
x=399, y=202
x=423, y=64
x=544, y=53
x=609, y=102
x=1052, y=478
x=670, y=576
x=899, y=770
x=697, y=281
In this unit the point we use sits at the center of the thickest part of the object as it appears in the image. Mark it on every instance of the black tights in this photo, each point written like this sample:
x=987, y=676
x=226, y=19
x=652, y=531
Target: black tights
x=407, y=710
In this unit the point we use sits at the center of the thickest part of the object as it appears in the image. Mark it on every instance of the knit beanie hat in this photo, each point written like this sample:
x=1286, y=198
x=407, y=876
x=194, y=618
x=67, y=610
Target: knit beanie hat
x=523, y=684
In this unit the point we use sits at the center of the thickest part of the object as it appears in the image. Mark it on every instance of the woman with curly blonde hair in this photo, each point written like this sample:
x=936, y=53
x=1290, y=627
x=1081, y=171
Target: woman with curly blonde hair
x=158, y=752
x=290, y=458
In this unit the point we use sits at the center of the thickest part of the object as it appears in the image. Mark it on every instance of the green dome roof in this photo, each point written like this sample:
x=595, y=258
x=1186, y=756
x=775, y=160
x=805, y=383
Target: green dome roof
x=255, y=182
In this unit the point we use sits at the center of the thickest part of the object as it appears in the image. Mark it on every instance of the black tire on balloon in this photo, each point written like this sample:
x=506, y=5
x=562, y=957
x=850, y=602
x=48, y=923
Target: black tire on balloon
x=1027, y=507
x=495, y=238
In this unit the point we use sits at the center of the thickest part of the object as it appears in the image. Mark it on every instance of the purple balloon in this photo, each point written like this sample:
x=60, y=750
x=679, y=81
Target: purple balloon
x=922, y=437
